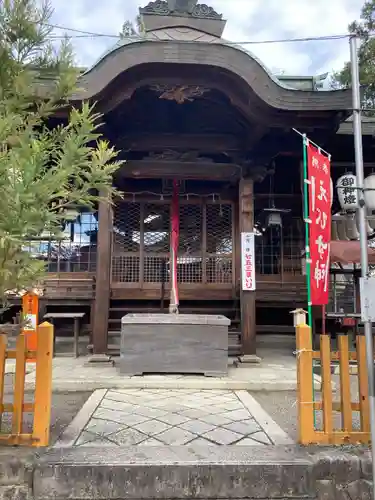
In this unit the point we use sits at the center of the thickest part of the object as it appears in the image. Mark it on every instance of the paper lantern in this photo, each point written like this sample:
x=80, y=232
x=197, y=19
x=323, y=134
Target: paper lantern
x=369, y=229
x=371, y=220
x=334, y=233
x=347, y=192
x=351, y=226
x=341, y=230
x=369, y=192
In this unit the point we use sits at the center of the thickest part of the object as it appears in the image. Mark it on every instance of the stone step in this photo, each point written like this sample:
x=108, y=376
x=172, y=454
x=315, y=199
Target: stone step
x=227, y=472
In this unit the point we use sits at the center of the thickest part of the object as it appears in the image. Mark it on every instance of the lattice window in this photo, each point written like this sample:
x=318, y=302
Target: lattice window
x=156, y=241
x=343, y=294
x=141, y=243
x=126, y=242
x=219, y=251
x=280, y=248
x=189, y=263
x=75, y=251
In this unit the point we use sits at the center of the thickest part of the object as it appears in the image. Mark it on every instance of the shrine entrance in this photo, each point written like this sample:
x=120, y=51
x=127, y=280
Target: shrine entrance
x=141, y=246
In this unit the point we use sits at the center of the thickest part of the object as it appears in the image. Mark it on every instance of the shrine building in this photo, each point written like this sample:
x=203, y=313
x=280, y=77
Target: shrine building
x=193, y=114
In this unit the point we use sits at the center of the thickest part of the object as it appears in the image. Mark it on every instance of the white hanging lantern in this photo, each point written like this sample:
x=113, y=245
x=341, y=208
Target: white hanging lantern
x=369, y=229
x=371, y=220
x=351, y=226
x=369, y=192
x=347, y=192
x=334, y=233
x=341, y=230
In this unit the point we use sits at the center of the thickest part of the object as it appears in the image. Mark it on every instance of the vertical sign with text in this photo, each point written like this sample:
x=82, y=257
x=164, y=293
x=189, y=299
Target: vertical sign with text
x=320, y=202
x=248, y=262
x=30, y=308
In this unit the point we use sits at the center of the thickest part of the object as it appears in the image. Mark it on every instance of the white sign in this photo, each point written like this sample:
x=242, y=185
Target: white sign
x=248, y=261
x=367, y=296
x=30, y=322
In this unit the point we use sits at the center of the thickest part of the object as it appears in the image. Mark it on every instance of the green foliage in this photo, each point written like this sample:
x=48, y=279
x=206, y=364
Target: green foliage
x=365, y=30
x=45, y=166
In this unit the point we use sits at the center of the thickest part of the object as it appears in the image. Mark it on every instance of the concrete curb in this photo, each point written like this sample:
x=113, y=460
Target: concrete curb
x=60, y=385
x=74, y=429
x=269, y=426
x=222, y=473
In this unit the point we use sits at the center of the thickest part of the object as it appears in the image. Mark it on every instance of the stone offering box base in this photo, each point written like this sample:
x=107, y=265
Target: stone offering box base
x=174, y=343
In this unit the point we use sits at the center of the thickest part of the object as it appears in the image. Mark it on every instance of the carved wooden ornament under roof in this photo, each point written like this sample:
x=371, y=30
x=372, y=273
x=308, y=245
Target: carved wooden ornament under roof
x=179, y=93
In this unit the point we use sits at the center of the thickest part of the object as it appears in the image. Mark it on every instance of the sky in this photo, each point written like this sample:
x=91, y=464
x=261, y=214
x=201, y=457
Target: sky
x=248, y=20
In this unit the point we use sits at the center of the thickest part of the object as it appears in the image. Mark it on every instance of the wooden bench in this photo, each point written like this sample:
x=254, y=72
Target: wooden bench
x=76, y=317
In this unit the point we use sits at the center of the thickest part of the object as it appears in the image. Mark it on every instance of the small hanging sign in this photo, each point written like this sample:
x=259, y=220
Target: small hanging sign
x=248, y=262
x=30, y=307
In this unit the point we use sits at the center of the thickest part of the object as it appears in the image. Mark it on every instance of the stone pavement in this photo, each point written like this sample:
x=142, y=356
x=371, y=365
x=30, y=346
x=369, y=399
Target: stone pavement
x=146, y=417
x=276, y=372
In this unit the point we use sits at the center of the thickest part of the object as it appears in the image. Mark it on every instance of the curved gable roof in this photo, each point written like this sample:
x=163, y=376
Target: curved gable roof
x=220, y=54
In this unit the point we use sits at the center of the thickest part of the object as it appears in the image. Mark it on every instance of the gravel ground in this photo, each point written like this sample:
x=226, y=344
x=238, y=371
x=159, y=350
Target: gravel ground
x=282, y=407
x=65, y=406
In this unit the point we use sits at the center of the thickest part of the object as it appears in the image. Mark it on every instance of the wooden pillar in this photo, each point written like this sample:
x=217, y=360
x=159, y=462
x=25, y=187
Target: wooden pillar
x=248, y=320
x=103, y=278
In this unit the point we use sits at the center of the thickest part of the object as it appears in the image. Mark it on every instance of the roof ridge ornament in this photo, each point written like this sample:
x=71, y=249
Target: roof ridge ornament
x=189, y=8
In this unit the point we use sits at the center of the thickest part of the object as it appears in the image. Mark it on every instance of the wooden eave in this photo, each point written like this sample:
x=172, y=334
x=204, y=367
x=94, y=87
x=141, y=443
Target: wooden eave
x=151, y=169
x=217, y=55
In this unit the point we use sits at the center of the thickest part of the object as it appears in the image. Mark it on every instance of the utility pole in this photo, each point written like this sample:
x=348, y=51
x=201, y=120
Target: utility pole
x=362, y=213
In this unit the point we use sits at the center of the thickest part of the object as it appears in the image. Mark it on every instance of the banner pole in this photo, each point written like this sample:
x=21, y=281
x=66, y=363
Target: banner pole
x=307, y=251
x=307, y=237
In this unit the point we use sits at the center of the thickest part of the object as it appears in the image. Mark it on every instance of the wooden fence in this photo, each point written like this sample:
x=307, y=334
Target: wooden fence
x=322, y=403
x=41, y=407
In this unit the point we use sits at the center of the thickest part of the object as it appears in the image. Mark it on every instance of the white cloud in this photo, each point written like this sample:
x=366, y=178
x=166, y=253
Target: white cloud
x=247, y=20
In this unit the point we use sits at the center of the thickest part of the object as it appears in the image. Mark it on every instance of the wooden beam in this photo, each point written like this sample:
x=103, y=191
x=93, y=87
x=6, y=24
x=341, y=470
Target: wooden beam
x=102, y=293
x=208, y=143
x=256, y=133
x=248, y=320
x=150, y=169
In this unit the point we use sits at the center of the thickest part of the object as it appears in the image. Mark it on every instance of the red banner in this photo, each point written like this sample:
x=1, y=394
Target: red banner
x=175, y=236
x=320, y=202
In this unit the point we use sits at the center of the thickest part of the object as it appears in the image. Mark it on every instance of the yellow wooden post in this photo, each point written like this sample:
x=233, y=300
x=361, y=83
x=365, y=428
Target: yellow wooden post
x=43, y=385
x=325, y=355
x=346, y=405
x=19, y=385
x=363, y=384
x=3, y=346
x=305, y=391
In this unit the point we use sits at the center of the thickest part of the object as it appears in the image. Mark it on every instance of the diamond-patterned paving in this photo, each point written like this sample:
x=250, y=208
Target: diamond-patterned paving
x=146, y=417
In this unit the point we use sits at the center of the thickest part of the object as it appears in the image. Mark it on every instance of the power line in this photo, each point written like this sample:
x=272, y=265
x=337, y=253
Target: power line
x=247, y=42
x=75, y=30
x=90, y=34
